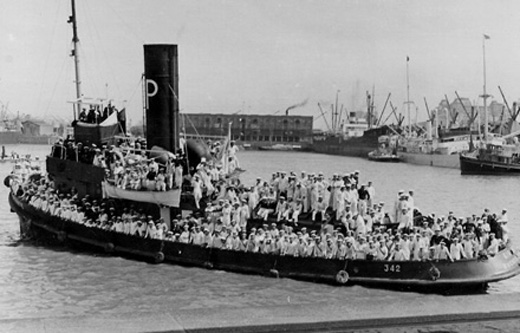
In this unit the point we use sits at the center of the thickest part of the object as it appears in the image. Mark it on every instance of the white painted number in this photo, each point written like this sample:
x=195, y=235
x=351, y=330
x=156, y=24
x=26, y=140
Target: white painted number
x=392, y=268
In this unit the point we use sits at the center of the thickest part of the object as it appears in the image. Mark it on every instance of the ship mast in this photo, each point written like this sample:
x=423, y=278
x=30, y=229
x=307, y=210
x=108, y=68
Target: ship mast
x=408, y=102
x=485, y=95
x=74, y=52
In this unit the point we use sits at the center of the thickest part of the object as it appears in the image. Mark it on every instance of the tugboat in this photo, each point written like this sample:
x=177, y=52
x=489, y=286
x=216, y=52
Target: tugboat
x=495, y=157
x=89, y=182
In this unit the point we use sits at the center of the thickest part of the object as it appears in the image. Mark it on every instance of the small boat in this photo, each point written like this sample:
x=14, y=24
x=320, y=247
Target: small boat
x=493, y=158
x=379, y=156
x=386, y=152
x=281, y=147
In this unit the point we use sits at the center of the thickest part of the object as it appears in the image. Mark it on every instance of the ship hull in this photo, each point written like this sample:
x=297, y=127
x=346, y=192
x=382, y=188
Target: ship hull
x=473, y=166
x=435, y=160
x=353, y=147
x=431, y=276
x=12, y=137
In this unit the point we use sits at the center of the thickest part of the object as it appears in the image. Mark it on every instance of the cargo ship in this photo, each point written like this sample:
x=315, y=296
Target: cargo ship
x=354, y=140
x=440, y=152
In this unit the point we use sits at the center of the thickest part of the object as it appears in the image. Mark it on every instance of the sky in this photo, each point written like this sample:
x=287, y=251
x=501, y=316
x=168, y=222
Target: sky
x=261, y=56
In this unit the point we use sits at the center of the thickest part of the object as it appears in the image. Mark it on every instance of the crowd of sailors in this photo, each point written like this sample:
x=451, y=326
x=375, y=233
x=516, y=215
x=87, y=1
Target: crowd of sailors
x=365, y=230
x=130, y=166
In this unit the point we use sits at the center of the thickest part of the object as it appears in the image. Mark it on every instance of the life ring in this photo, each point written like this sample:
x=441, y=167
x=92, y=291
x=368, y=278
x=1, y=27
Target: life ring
x=7, y=181
x=435, y=274
x=109, y=247
x=342, y=277
x=158, y=257
x=274, y=273
x=62, y=236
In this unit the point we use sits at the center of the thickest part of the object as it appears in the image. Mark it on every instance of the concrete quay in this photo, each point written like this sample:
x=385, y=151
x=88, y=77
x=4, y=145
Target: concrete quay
x=471, y=313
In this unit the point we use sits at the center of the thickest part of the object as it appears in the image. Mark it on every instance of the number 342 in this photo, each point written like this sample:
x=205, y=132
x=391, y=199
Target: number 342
x=392, y=268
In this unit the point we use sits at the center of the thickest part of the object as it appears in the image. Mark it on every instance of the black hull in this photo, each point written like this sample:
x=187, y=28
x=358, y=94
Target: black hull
x=434, y=276
x=353, y=146
x=473, y=166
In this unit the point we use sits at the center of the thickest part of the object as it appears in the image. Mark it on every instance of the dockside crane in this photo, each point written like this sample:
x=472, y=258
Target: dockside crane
x=513, y=113
x=383, y=111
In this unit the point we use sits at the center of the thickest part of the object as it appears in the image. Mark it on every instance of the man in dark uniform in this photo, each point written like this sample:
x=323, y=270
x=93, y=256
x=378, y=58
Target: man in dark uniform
x=437, y=238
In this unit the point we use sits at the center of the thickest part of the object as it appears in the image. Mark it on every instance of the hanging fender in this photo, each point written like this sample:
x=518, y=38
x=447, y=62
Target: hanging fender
x=342, y=277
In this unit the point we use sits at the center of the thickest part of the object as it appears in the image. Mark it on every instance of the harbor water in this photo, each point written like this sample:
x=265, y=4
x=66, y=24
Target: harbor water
x=38, y=282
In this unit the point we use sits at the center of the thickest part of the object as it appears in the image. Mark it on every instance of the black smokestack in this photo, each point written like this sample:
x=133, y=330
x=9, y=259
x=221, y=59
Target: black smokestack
x=161, y=74
x=295, y=106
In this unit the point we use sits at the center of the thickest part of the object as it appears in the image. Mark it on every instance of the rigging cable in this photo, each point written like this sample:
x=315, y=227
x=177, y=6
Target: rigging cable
x=60, y=73
x=139, y=83
x=105, y=56
x=132, y=31
x=91, y=73
x=46, y=66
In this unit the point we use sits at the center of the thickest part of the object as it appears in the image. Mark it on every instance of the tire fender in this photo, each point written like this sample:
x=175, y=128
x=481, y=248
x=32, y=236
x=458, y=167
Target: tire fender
x=158, y=257
x=342, y=277
x=434, y=272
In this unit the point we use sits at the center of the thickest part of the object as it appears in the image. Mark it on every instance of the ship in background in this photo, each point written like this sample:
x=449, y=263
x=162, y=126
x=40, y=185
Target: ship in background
x=354, y=133
x=498, y=153
x=450, y=130
x=16, y=129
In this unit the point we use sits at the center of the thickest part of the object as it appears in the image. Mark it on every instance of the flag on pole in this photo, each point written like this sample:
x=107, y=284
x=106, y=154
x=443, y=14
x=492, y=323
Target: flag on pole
x=486, y=36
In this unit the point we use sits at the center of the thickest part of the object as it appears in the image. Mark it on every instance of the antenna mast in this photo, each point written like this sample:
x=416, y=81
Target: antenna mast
x=74, y=52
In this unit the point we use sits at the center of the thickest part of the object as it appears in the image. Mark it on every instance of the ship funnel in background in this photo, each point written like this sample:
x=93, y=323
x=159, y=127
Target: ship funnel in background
x=161, y=74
